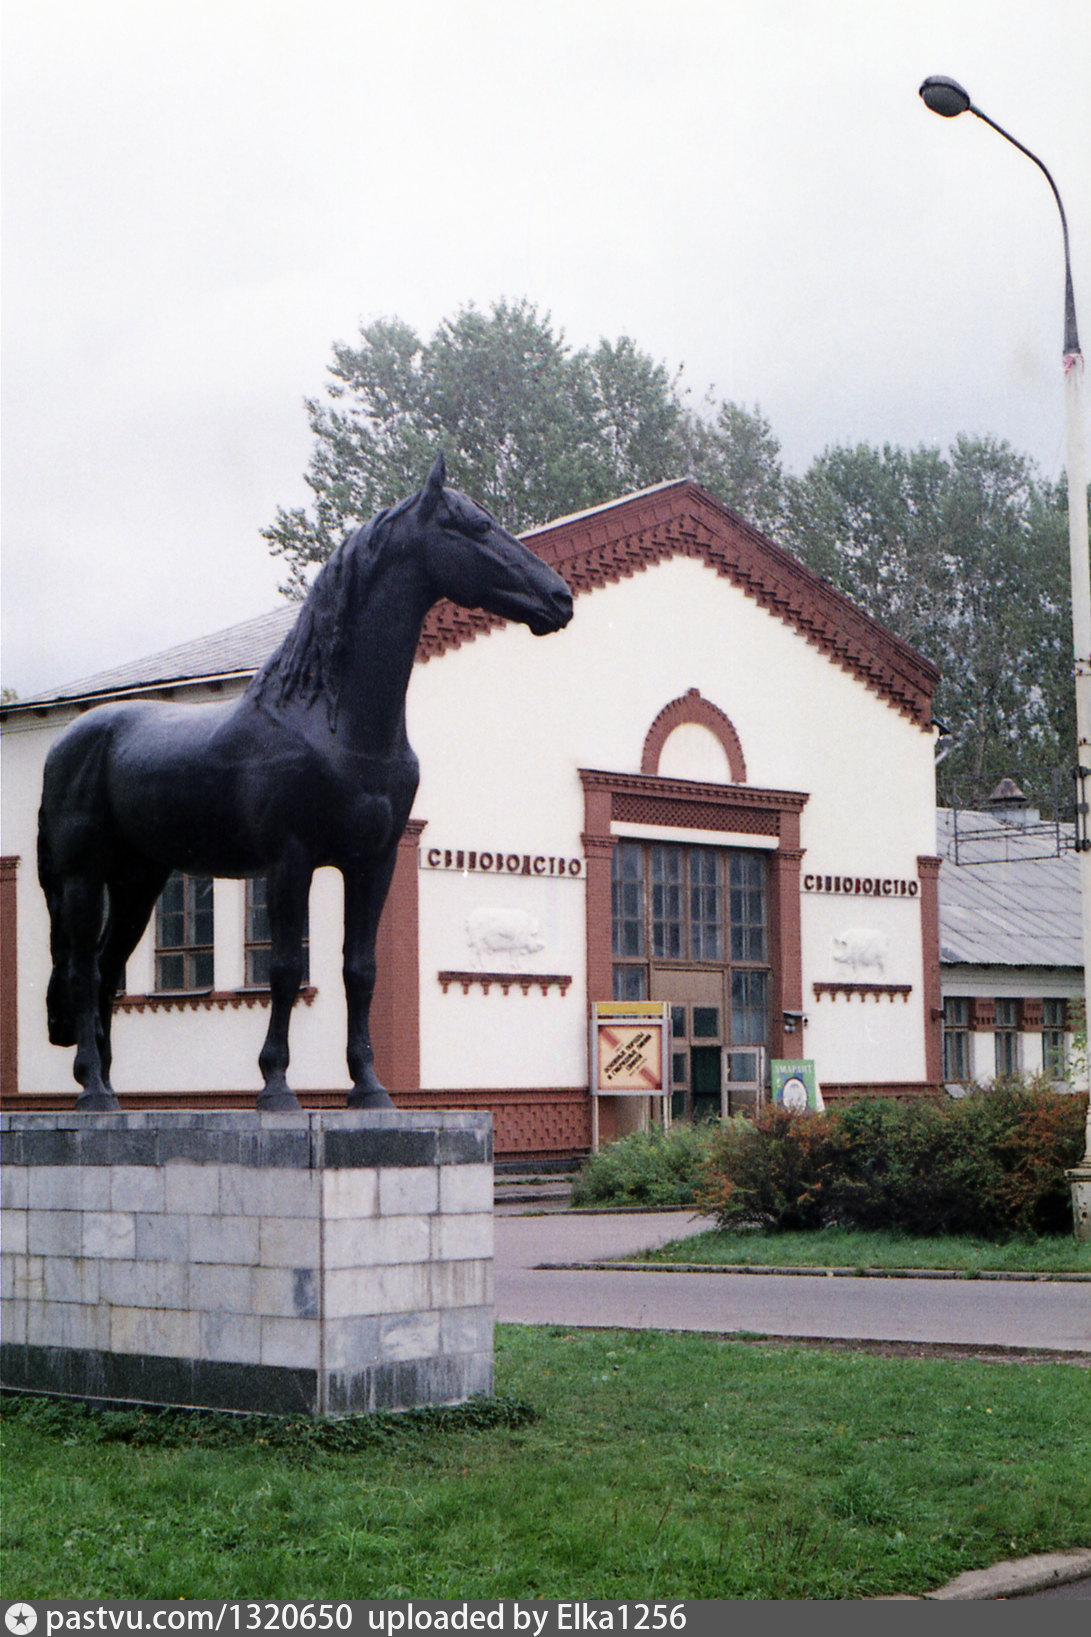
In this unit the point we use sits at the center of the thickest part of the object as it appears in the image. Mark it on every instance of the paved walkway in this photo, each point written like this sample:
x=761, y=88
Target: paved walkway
x=533, y=1286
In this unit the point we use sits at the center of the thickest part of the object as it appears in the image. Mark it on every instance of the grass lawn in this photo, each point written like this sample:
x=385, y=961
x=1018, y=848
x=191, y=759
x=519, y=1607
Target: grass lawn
x=659, y=1466
x=848, y=1248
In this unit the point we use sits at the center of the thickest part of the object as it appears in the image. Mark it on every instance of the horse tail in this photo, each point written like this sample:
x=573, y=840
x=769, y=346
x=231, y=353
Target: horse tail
x=60, y=1014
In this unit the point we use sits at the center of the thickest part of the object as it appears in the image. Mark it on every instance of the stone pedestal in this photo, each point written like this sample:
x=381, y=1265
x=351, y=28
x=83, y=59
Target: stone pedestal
x=1079, y=1180
x=328, y=1262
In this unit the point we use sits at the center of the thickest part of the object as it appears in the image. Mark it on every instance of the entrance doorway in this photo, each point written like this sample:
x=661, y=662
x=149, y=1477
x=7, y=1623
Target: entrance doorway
x=691, y=927
x=710, y=1078
x=697, y=1040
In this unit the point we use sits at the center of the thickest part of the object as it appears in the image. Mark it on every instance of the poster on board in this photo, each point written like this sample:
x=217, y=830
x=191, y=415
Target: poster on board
x=793, y=1085
x=629, y=1049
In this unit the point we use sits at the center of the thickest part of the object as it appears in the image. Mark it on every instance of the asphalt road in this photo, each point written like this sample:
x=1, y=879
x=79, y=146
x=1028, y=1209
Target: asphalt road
x=534, y=1287
x=982, y=1313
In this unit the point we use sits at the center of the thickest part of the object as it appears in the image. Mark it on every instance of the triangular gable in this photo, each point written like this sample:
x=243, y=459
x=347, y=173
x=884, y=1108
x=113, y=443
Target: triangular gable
x=593, y=549
x=613, y=542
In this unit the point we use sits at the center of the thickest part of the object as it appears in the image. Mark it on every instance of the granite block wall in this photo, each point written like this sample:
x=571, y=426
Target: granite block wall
x=320, y=1261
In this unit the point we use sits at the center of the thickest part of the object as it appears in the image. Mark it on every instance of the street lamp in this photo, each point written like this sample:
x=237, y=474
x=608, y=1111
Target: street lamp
x=946, y=97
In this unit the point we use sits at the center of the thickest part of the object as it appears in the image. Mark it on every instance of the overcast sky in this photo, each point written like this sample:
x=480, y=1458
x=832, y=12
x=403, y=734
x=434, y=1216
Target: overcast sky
x=201, y=197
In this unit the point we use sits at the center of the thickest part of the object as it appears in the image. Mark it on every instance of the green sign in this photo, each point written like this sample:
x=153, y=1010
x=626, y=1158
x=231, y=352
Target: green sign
x=793, y=1085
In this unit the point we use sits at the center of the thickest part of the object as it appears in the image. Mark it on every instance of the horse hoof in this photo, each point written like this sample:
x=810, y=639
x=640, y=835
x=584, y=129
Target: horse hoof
x=378, y=1098
x=97, y=1102
x=278, y=1102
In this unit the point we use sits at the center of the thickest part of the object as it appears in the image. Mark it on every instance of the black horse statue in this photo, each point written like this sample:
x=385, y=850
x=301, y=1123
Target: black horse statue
x=310, y=767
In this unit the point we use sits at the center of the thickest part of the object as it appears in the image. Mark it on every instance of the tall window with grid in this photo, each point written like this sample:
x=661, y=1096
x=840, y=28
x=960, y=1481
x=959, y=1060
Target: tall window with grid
x=696, y=908
x=1054, y=1043
x=259, y=936
x=956, y=1039
x=1007, y=1038
x=184, y=930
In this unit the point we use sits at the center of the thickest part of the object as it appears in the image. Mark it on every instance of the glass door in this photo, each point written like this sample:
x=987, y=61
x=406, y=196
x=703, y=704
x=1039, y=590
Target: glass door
x=744, y=1078
x=697, y=1041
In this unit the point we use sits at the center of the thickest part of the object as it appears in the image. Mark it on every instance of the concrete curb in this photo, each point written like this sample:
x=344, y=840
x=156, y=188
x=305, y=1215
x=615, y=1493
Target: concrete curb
x=1015, y=1579
x=816, y=1272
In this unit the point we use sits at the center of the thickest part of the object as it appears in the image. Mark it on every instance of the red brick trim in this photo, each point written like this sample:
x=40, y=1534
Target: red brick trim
x=1032, y=1014
x=864, y=991
x=786, y=935
x=642, y=798
x=206, y=1000
x=679, y=519
x=9, y=977
x=898, y=1090
x=692, y=707
x=546, y=1123
x=928, y=873
x=526, y=981
x=395, y=1009
x=982, y=1014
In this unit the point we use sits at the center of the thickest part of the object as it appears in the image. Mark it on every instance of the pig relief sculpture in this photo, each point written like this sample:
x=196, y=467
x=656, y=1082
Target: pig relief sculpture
x=502, y=938
x=860, y=948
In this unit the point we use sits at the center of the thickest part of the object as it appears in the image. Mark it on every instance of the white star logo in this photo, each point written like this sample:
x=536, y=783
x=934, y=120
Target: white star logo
x=20, y=1618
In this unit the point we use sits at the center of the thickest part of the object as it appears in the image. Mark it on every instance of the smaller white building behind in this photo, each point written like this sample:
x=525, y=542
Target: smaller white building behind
x=1011, y=956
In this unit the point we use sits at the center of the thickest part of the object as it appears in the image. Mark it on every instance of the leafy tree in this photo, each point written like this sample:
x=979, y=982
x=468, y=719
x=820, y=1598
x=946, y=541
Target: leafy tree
x=965, y=557
x=530, y=428
x=962, y=554
x=732, y=452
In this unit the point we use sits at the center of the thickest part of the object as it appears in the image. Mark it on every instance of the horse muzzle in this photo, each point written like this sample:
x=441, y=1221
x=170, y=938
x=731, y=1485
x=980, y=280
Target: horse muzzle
x=555, y=614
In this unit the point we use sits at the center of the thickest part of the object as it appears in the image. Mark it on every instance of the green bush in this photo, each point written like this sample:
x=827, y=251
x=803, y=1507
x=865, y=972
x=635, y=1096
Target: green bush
x=774, y=1170
x=895, y=1165
x=990, y=1164
x=650, y=1167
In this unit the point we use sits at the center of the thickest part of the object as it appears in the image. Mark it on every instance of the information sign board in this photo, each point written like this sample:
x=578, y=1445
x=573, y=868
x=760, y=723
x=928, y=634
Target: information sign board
x=793, y=1085
x=630, y=1053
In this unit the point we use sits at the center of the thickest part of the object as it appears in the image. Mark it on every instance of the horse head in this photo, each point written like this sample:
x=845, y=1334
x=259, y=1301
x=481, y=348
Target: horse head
x=474, y=562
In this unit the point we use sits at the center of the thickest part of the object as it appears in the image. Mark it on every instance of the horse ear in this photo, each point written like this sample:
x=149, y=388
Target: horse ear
x=433, y=487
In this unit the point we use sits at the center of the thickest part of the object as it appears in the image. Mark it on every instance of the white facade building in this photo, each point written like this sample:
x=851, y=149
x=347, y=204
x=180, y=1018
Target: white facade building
x=715, y=788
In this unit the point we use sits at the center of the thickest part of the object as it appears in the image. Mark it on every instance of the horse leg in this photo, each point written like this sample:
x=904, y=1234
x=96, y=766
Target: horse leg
x=131, y=901
x=60, y=1019
x=365, y=893
x=81, y=904
x=289, y=888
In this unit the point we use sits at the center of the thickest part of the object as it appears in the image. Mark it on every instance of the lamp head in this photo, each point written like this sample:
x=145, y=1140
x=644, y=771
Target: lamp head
x=944, y=96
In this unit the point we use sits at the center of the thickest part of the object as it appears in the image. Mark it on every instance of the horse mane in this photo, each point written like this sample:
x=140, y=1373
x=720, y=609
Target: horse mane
x=309, y=663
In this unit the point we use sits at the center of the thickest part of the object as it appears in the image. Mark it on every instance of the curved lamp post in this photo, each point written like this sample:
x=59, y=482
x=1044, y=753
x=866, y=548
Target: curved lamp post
x=946, y=97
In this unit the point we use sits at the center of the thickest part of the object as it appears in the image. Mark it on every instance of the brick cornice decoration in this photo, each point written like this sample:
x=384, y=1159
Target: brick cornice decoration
x=693, y=707
x=982, y=1014
x=526, y=981
x=202, y=1000
x=1031, y=1014
x=695, y=806
x=863, y=991
x=614, y=542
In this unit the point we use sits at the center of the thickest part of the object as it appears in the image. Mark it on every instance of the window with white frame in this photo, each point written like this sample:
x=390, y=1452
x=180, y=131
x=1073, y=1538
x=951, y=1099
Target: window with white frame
x=956, y=1039
x=1054, y=1043
x=1007, y=1038
x=184, y=934
x=259, y=945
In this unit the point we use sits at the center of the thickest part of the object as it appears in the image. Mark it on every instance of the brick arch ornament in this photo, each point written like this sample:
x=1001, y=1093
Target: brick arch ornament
x=693, y=707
